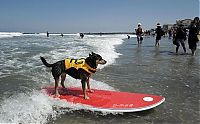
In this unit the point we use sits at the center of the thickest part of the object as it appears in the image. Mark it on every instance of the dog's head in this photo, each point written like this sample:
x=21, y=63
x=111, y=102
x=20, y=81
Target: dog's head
x=97, y=58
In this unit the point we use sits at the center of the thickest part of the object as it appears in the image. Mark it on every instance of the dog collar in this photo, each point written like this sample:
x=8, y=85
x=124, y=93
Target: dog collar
x=89, y=69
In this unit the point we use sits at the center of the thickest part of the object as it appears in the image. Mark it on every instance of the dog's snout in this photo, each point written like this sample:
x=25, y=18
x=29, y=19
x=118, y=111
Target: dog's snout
x=104, y=61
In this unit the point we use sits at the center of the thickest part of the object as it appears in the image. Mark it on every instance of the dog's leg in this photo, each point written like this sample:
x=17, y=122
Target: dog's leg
x=83, y=82
x=63, y=76
x=56, y=87
x=88, y=85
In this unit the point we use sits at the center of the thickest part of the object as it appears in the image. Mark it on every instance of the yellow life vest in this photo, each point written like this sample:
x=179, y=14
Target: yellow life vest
x=79, y=64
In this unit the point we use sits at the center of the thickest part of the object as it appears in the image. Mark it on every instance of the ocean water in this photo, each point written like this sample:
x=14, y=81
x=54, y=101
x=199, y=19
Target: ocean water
x=22, y=74
x=130, y=68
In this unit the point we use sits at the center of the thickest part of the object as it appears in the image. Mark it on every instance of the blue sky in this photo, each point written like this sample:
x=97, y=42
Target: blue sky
x=72, y=16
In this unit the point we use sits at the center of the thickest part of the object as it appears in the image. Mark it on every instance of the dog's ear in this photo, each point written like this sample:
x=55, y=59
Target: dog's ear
x=91, y=54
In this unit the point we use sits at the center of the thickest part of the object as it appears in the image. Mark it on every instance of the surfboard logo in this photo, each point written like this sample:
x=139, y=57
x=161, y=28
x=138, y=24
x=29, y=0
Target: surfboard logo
x=123, y=105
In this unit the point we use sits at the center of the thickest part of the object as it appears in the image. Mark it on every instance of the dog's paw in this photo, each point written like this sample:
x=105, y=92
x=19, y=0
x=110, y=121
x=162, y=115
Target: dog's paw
x=91, y=91
x=86, y=97
x=56, y=95
x=63, y=87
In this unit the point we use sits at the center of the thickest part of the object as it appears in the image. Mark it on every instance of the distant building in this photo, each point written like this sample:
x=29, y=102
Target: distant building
x=186, y=22
x=166, y=27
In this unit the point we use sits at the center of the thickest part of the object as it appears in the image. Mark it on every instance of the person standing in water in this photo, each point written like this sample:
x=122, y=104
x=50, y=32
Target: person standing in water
x=159, y=33
x=170, y=33
x=194, y=29
x=139, y=33
x=47, y=34
x=180, y=38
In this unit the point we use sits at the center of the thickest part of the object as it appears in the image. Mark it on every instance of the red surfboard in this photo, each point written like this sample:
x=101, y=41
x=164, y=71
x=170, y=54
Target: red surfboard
x=108, y=101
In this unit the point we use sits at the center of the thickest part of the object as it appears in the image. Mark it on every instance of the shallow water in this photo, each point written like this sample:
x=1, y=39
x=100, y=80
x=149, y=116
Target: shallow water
x=130, y=68
x=158, y=70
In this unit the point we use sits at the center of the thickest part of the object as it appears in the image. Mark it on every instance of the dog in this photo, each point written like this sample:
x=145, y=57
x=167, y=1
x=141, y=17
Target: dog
x=76, y=68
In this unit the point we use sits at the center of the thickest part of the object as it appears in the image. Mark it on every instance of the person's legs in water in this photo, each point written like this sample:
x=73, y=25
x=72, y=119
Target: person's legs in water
x=183, y=45
x=193, y=51
x=177, y=47
x=138, y=39
x=157, y=43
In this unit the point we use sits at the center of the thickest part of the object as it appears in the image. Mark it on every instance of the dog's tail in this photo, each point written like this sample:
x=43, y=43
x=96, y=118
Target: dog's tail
x=45, y=62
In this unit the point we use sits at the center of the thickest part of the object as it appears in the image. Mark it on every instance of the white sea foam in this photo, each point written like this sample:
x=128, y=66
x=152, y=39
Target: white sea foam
x=9, y=34
x=55, y=34
x=105, y=46
x=36, y=107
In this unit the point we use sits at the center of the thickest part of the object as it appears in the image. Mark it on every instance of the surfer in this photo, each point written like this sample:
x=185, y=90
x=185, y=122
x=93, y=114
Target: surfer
x=47, y=34
x=139, y=33
x=194, y=29
x=128, y=36
x=81, y=35
x=159, y=32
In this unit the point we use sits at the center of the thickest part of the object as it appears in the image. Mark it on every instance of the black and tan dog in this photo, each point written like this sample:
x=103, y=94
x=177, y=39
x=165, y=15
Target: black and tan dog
x=76, y=68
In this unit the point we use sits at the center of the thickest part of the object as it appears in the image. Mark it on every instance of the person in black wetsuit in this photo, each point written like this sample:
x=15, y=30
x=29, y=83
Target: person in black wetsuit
x=81, y=35
x=159, y=32
x=194, y=29
x=180, y=38
x=47, y=34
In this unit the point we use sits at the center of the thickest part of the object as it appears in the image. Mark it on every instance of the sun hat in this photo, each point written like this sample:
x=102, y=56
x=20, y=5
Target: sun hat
x=158, y=25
